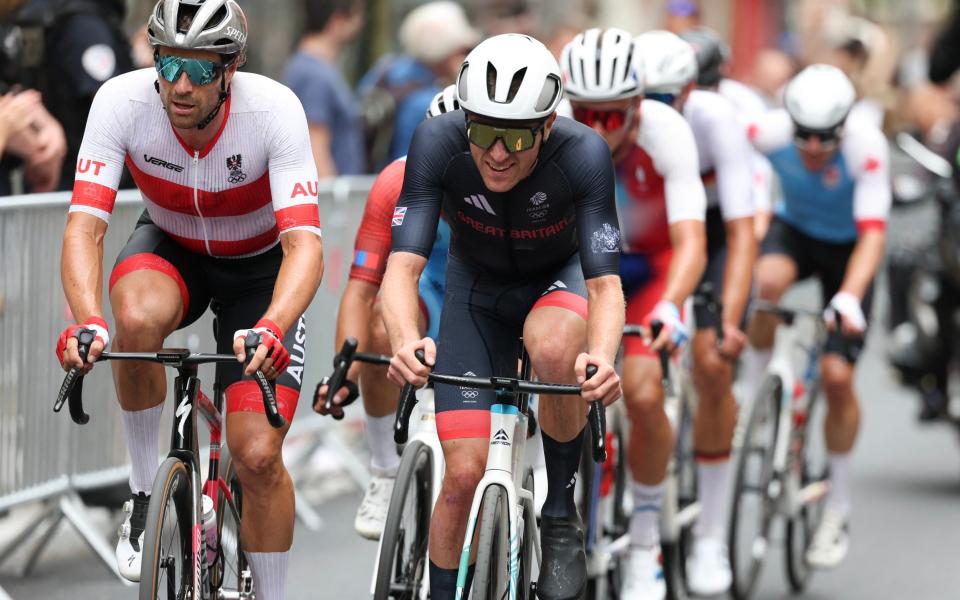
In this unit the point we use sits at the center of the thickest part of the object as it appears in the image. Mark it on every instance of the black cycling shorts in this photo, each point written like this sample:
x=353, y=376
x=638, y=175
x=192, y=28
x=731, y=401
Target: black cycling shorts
x=480, y=325
x=716, y=265
x=239, y=291
x=827, y=261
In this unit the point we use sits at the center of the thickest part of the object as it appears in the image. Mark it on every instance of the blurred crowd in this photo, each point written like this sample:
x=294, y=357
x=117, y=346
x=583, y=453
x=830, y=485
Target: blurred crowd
x=54, y=55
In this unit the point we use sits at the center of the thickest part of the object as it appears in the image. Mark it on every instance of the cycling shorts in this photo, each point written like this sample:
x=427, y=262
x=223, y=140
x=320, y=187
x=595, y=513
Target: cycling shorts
x=827, y=261
x=480, y=326
x=239, y=290
x=716, y=265
x=644, y=278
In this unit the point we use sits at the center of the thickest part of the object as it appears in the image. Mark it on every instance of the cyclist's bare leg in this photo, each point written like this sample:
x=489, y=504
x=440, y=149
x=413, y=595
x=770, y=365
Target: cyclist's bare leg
x=651, y=438
x=775, y=273
x=147, y=307
x=466, y=460
x=714, y=422
x=379, y=395
x=267, y=523
x=843, y=414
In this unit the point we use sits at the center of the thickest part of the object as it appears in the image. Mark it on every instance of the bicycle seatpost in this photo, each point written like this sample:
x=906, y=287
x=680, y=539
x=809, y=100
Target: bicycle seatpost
x=597, y=418
x=341, y=364
x=250, y=345
x=408, y=399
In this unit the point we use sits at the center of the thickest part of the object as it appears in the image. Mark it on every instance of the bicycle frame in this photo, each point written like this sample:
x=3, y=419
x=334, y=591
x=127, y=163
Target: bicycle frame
x=784, y=485
x=508, y=438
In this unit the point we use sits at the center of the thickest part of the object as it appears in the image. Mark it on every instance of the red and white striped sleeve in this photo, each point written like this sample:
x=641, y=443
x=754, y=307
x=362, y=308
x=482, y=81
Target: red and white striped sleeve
x=293, y=173
x=867, y=155
x=102, y=152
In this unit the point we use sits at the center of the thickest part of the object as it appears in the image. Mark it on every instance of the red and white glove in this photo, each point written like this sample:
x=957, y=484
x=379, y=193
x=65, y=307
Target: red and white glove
x=667, y=313
x=849, y=307
x=272, y=338
x=95, y=324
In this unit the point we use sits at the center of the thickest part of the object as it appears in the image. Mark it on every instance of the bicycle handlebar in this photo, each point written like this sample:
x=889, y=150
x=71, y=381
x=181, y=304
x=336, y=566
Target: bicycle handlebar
x=72, y=387
x=342, y=361
x=656, y=326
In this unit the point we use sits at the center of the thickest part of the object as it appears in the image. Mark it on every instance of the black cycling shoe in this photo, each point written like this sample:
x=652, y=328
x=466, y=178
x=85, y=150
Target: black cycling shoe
x=563, y=575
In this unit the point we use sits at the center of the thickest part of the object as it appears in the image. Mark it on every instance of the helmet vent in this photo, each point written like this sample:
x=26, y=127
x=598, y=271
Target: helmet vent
x=515, y=84
x=462, y=83
x=185, y=17
x=548, y=95
x=491, y=81
x=218, y=17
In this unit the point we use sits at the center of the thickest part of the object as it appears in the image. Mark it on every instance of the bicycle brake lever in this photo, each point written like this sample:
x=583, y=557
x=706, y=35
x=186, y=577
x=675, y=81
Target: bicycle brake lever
x=72, y=387
x=598, y=423
x=250, y=344
x=341, y=364
x=408, y=399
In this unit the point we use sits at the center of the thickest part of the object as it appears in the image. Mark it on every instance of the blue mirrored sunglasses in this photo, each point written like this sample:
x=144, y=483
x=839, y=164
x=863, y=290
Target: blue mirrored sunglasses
x=200, y=72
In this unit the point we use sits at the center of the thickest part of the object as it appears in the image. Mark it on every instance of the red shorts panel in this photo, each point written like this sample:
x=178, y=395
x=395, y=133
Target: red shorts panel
x=244, y=396
x=643, y=301
x=459, y=424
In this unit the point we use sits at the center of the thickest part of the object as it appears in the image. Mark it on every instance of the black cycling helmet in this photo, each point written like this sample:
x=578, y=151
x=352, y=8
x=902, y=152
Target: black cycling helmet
x=712, y=54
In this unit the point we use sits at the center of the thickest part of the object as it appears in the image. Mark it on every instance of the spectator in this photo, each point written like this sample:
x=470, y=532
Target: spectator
x=83, y=46
x=15, y=112
x=435, y=38
x=681, y=15
x=333, y=114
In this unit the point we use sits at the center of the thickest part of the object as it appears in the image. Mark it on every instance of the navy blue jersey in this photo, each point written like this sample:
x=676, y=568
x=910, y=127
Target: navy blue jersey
x=565, y=205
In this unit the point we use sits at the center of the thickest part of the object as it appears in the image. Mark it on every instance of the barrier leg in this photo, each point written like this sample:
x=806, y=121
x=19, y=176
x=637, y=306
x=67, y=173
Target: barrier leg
x=41, y=544
x=73, y=510
x=51, y=511
x=305, y=512
x=4, y=595
x=355, y=468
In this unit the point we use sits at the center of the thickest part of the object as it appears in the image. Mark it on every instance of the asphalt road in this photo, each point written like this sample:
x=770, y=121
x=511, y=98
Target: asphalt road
x=905, y=527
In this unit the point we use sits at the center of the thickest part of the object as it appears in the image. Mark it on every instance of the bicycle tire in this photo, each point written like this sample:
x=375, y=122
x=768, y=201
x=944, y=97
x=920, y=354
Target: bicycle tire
x=230, y=572
x=402, y=563
x=800, y=527
x=672, y=566
x=764, y=411
x=491, y=577
x=526, y=543
x=614, y=522
x=166, y=573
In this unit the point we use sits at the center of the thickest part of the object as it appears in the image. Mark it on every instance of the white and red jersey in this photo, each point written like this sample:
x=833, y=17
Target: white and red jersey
x=658, y=183
x=253, y=182
x=724, y=153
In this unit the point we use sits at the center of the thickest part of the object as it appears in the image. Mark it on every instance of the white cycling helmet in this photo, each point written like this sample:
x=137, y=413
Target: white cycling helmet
x=669, y=62
x=599, y=65
x=511, y=77
x=444, y=101
x=819, y=97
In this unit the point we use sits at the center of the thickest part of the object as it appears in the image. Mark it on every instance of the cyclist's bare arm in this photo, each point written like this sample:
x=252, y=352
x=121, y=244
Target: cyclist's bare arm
x=297, y=283
x=864, y=262
x=605, y=305
x=81, y=271
x=400, y=313
x=354, y=317
x=689, y=241
x=738, y=270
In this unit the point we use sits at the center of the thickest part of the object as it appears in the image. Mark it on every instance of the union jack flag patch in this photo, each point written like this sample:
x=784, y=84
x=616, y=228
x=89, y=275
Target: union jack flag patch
x=398, y=214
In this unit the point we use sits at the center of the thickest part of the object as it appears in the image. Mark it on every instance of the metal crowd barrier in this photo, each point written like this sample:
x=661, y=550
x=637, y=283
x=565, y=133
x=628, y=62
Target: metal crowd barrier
x=45, y=456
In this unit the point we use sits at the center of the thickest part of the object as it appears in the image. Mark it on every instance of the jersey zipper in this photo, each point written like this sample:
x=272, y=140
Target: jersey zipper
x=196, y=199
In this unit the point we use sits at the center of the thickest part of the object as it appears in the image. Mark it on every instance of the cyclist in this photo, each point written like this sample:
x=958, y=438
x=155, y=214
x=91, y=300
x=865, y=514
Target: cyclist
x=530, y=199
x=672, y=72
x=360, y=316
x=836, y=190
x=224, y=166
x=662, y=203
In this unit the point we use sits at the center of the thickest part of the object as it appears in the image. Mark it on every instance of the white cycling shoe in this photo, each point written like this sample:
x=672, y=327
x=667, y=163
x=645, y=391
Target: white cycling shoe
x=830, y=542
x=372, y=513
x=708, y=567
x=130, y=546
x=644, y=577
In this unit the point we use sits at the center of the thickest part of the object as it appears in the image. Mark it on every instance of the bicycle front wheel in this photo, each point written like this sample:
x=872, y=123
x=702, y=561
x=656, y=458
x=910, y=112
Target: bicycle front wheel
x=753, y=509
x=491, y=579
x=231, y=575
x=167, y=570
x=403, y=550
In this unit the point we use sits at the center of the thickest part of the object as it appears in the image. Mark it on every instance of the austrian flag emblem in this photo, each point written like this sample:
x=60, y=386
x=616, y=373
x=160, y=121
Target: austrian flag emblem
x=398, y=214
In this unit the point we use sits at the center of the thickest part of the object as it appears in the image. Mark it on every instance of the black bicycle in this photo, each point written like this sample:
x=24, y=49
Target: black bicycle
x=178, y=561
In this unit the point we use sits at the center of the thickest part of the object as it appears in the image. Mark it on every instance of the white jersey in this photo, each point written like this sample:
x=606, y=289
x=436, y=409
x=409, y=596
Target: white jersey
x=254, y=181
x=749, y=104
x=724, y=153
x=658, y=182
